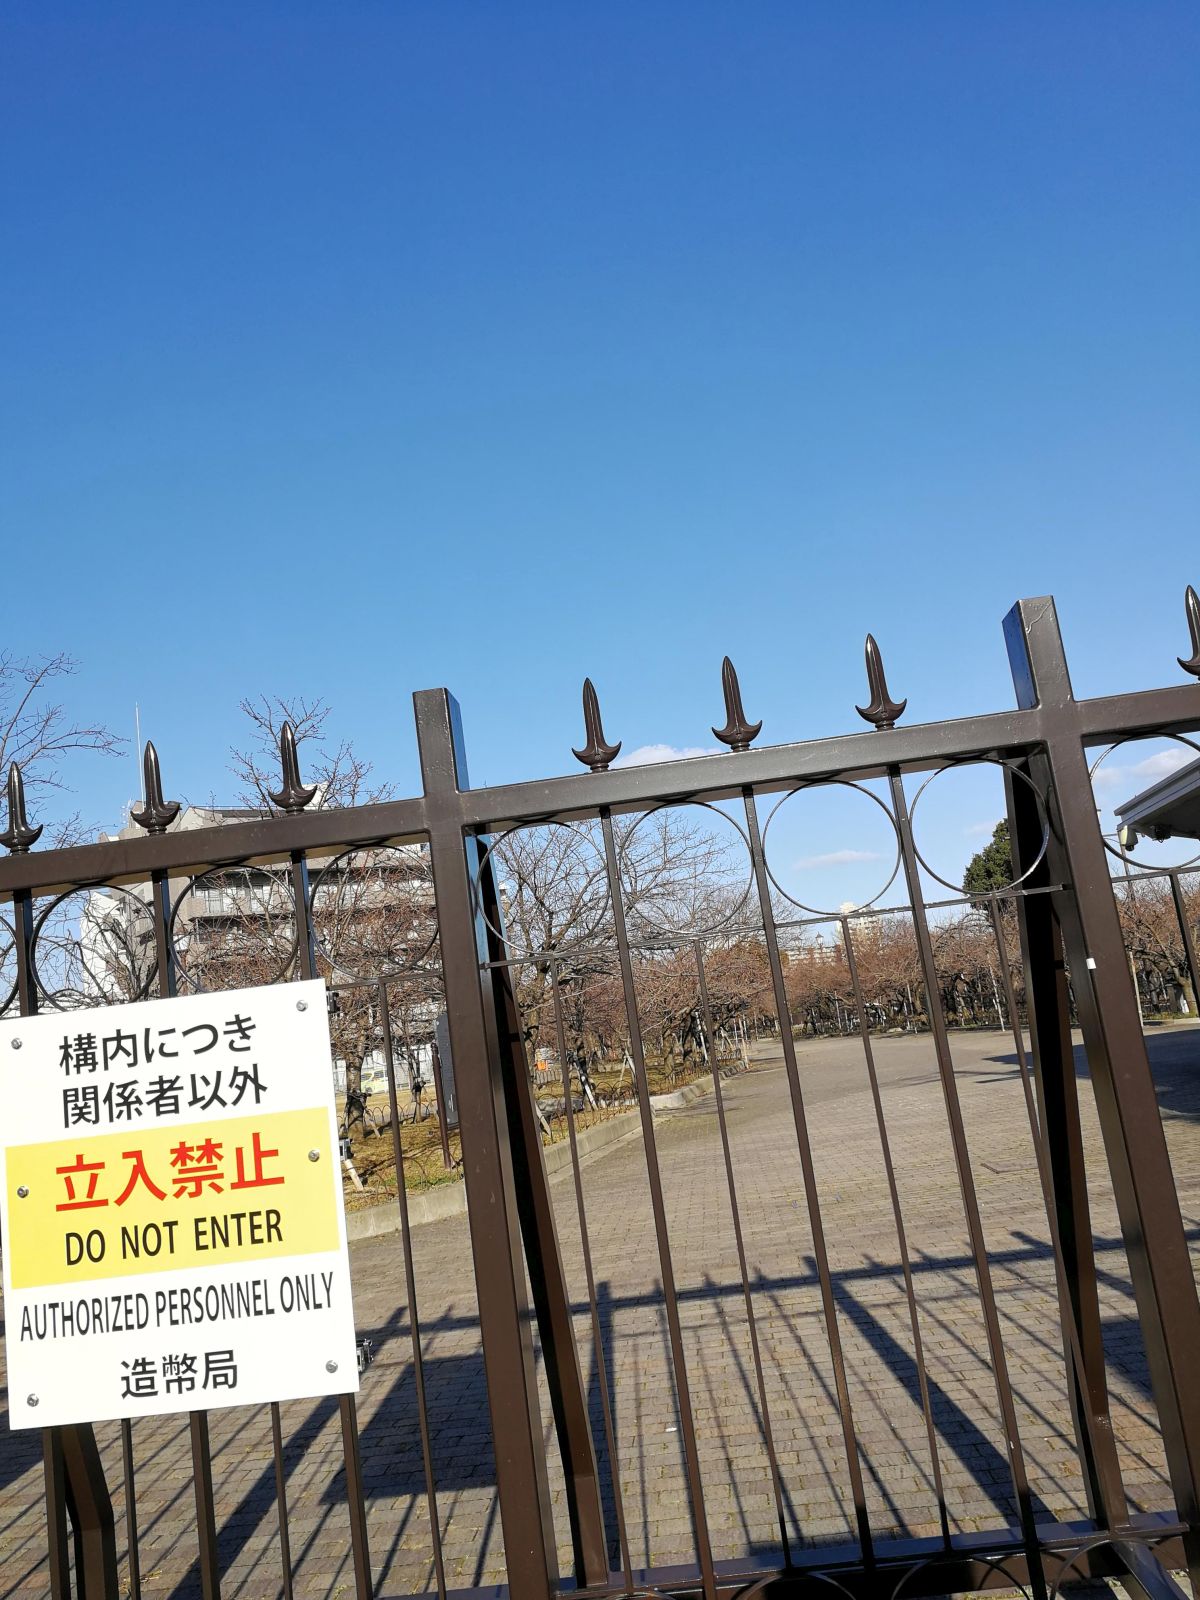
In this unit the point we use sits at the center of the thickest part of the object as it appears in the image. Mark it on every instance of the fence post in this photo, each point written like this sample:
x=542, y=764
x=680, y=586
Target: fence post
x=1143, y=1183
x=504, y=1317
x=1048, y=1005
x=543, y=1260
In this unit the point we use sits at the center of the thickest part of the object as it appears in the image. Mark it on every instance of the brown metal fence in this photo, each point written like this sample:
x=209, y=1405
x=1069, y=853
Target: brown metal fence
x=563, y=1487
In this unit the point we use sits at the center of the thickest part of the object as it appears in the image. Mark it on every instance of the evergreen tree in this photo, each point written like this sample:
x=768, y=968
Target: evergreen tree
x=990, y=868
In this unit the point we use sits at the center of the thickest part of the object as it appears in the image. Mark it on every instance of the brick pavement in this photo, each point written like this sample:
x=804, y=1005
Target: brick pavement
x=802, y=1406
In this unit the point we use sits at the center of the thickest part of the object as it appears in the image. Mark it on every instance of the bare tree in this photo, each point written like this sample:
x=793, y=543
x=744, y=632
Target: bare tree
x=96, y=949
x=343, y=777
x=371, y=909
x=1153, y=939
x=678, y=879
x=373, y=917
x=968, y=969
x=38, y=731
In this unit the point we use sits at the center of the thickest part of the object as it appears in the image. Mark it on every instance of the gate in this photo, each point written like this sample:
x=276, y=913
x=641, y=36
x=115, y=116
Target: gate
x=797, y=1346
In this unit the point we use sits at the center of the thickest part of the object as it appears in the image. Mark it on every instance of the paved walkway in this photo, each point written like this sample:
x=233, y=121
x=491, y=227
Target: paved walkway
x=872, y=1316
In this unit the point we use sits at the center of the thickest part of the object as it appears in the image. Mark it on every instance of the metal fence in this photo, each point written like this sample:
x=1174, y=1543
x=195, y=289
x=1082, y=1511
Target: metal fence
x=527, y=1245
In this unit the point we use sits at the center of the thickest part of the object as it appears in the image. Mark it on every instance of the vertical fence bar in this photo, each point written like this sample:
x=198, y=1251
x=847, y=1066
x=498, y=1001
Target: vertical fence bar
x=809, y=1174
x=54, y=1475
x=439, y=1096
x=687, y=1422
x=529, y=1543
x=610, y=1434
x=1185, y=931
x=167, y=974
x=1126, y=1103
x=281, y=1515
x=410, y=1283
x=966, y=1184
x=736, y=1216
x=52, y=1453
x=131, y=1516
x=356, y=1503
x=1058, y=1142
x=281, y=1501
x=356, y=1506
x=901, y=1236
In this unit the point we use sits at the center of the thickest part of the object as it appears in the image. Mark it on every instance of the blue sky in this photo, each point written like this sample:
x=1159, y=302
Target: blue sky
x=358, y=348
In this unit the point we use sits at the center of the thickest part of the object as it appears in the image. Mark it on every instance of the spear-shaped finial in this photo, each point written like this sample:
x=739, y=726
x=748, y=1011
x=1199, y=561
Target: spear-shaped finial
x=294, y=795
x=597, y=753
x=883, y=710
x=155, y=814
x=737, y=732
x=1192, y=603
x=20, y=833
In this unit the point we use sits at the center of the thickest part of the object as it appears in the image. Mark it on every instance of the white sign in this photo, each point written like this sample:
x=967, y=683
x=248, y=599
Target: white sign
x=173, y=1231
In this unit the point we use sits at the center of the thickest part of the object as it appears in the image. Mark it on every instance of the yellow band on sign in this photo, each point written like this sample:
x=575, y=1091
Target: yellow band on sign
x=162, y=1198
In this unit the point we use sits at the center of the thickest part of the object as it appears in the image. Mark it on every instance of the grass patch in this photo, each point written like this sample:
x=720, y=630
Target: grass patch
x=373, y=1153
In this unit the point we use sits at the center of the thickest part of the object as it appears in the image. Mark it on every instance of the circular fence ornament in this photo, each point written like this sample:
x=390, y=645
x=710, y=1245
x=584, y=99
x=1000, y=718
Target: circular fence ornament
x=94, y=947
x=823, y=786
x=1120, y=852
x=762, y=1588
x=1071, y=1559
x=552, y=884
x=683, y=885
x=8, y=965
x=234, y=927
x=372, y=912
x=989, y=1563
x=1022, y=777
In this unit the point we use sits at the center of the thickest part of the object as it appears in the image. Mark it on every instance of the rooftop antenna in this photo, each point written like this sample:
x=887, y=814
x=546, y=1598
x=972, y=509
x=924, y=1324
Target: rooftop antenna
x=137, y=748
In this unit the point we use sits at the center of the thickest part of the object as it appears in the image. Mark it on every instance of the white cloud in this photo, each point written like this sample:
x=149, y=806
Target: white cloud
x=1110, y=777
x=1143, y=772
x=1157, y=766
x=648, y=754
x=980, y=830
x=837, y=858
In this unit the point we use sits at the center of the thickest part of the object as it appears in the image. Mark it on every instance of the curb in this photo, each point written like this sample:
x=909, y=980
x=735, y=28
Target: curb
x=428, y=1205
x=450, y=1199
